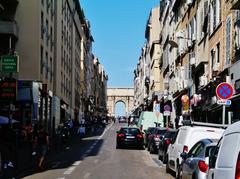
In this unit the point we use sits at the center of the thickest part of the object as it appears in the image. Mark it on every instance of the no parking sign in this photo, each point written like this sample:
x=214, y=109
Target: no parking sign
x=224, y=91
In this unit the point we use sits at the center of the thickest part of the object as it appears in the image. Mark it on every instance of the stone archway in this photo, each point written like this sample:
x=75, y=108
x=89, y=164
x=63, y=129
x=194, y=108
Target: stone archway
x=125, y=95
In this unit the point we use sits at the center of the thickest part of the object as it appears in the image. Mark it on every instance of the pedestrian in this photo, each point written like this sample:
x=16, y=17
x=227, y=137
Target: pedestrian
x=42, y=141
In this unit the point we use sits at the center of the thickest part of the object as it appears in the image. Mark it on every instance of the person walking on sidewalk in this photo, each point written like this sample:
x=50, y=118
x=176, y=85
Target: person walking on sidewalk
x=42, y=141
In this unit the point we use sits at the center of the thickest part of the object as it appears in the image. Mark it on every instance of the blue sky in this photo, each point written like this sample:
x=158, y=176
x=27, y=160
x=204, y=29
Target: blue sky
x=118, y=28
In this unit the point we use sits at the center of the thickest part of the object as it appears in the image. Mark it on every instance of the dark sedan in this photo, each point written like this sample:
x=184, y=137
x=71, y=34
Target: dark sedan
x=129, y=136
x=155, y=138
x=164, y=143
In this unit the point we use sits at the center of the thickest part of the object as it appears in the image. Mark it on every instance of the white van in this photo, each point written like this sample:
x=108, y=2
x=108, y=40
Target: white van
x=186, y=137
x=224, y=163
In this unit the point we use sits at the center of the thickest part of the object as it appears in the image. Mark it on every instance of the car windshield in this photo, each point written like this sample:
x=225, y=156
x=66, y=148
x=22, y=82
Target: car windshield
x=130, y=131
x=161, y=132
x=170, y=134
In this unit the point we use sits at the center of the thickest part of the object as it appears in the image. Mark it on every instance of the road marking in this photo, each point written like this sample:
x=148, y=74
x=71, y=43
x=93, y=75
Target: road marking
x=96, y=161
x=100, y=137
x=61, y=178
x=77, y=163
x=87, y=175
x=69, y=170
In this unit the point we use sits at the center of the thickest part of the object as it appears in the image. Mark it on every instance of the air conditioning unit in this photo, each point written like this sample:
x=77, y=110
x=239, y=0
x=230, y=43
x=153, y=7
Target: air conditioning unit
x=203, y=81
x=180, y=85
x=193, y=61
x=185, y=83
x=216, y=67
x=193, y=37
x=189, y=43
x=189, y=2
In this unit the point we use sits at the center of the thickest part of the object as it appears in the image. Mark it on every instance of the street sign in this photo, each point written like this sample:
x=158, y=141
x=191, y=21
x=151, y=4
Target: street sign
x=9, y=64
x=167, y=108
x=224, y=90
x=224, y=102
x=166, y=113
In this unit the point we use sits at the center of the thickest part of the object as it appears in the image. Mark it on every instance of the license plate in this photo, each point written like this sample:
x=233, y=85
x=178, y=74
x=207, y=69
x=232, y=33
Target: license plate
x=130, y=137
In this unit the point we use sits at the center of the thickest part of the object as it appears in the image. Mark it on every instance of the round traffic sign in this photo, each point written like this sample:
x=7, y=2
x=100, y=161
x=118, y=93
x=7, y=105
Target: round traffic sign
x=167, y=108
x=224, y=90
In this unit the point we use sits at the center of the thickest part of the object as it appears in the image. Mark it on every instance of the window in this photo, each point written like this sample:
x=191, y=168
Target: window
x=46, y=72
x=41, y=65
x=51, y=38
x=215, y=14
x=211, y=58
x=42, y=26
x=51, y=69
x=218, y=52
x=47, y=34
x=228, y=40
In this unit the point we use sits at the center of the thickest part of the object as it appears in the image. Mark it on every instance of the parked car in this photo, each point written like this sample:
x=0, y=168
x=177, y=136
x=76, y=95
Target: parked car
x=129, y=136
x=164, y=143
x=186, y=137
x=195, y=162
x=149, y=119
x=148, y=134
x=122, y=120
x=155, y=138
x=224, y=162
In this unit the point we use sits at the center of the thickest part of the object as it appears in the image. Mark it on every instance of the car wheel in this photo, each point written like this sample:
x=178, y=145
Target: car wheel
x=179, y=172
x=117, y=146
x=167, y=166
x=164, y=159
x=159, y=157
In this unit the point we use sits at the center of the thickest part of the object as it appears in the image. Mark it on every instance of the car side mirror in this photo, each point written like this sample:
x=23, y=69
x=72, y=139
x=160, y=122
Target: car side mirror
x=184, y=155
x=117, y=132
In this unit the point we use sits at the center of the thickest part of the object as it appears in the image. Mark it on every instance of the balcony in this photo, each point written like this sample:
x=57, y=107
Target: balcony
x=235, y=4
x=8, y=28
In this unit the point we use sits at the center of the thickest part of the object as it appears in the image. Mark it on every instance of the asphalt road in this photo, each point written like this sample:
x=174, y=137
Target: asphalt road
x=97, y=158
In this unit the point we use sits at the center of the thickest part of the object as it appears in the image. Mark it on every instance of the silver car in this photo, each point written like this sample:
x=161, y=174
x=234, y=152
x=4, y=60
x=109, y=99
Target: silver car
x=195, y=163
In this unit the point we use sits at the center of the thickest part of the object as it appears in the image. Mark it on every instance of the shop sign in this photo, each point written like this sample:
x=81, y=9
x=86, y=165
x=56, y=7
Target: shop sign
x=8, y=89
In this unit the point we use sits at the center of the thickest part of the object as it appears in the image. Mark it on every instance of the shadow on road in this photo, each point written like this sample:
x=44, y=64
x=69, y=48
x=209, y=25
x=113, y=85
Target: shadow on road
x=77, y=150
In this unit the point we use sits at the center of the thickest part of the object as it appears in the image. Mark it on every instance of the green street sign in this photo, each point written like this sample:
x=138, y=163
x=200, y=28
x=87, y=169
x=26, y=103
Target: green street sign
x=9, y=64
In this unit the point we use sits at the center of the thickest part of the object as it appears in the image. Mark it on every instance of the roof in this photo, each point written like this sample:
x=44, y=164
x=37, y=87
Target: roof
x=233, y=128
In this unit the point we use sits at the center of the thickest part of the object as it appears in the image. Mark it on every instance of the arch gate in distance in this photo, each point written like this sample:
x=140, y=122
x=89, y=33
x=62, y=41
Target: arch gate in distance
x=121, y=94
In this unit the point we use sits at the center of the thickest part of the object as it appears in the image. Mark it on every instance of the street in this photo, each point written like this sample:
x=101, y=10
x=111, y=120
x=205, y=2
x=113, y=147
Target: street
x=97, y=158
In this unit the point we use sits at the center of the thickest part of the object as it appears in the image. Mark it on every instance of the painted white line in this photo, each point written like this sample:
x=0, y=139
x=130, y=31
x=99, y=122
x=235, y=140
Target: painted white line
x=69, y=170
x=77, y=163
x=100, y=137
x=96, y=161
x=87, y=175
